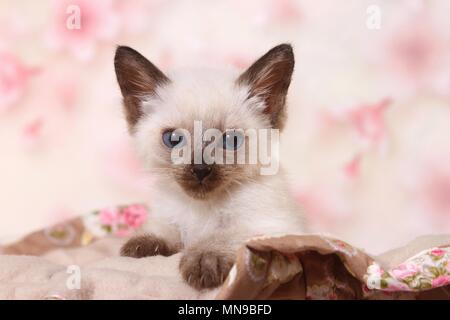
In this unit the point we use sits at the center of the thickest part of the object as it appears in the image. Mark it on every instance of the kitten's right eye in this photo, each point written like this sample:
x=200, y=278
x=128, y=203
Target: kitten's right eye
x=173, y=139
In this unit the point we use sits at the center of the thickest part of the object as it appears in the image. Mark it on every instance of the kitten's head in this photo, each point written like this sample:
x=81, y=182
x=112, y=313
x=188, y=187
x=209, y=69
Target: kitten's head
x=162, y=112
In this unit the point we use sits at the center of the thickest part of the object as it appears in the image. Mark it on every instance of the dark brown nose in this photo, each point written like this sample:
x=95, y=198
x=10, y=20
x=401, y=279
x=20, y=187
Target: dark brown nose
x=201, y=171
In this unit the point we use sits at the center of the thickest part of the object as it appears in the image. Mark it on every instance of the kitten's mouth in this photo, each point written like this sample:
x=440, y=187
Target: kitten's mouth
x=201, y=191
x=199, y=186
x=198, y=189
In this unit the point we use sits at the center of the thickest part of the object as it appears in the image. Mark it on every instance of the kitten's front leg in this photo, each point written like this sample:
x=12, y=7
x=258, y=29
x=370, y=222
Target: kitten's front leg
x=146, y=245
x=206, y=266
x=159, y=239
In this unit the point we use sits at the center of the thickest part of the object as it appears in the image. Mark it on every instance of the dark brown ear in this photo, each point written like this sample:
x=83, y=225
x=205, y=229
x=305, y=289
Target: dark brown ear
x=137, y=78
x=269, y=78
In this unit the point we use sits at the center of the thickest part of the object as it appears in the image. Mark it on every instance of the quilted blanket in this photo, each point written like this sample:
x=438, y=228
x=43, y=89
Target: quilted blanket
x=78, y=259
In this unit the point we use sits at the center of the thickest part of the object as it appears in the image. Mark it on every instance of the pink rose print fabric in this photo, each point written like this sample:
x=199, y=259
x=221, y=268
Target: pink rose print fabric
x=428, y=269
x=14, y=77
x=119, y=221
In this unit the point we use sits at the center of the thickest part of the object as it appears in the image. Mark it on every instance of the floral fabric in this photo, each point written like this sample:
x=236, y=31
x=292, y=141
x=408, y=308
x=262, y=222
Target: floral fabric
x=120, y=221
x=426, y=270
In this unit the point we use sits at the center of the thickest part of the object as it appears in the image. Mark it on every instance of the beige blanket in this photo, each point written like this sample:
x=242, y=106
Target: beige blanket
x=69, y=262
x=103, y=275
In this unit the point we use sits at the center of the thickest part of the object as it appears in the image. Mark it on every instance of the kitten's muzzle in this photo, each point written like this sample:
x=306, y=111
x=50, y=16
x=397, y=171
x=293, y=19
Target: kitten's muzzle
x=201, y=171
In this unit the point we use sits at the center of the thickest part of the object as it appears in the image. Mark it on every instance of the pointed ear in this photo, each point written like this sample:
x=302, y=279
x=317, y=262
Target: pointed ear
x=137, y=78
x=269, y=79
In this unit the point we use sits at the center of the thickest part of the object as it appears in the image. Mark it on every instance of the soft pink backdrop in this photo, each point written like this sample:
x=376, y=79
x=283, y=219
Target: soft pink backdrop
x=367, y=147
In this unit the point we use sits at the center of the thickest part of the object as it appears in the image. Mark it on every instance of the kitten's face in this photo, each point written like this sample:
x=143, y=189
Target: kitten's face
x=214, y=100
x=156, y=105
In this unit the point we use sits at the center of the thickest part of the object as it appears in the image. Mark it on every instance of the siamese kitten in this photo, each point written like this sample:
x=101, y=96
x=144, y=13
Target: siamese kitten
x=207, y=211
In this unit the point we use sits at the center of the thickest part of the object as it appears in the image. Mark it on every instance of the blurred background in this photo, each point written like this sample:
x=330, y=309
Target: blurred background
x=367, y=144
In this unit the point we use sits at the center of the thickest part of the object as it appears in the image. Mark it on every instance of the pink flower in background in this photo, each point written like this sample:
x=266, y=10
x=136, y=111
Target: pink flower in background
x=67, y=89
x=99, y=22
x=368, y=120
x=32, y=132
x=134, y=216
x=109, y=216
x=440, y=281
x=405, y=270
x=14, y=76
x=414, y=47
x=352, y=168
x=285, y=11
x=414, y=56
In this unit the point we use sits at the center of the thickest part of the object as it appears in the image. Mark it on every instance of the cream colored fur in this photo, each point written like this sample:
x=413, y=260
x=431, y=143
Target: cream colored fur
x=261, y=205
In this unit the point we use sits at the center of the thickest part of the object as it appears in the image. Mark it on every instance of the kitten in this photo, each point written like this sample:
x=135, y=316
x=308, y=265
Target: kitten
x=206, y=210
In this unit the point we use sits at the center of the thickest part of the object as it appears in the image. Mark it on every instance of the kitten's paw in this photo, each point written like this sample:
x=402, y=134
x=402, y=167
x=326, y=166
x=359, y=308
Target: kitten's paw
x=207, y=269
x=145, y=246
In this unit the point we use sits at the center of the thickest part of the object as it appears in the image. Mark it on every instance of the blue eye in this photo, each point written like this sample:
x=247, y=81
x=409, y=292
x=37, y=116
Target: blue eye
x=232, y=140
x=173, y=139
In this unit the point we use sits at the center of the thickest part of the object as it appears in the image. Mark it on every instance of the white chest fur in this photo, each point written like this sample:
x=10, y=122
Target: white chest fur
x=253, y=209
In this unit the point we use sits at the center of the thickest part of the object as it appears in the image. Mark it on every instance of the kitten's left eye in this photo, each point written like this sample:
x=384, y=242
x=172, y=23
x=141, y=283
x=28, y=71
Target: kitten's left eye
x=232, y=140
x=173, y=139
